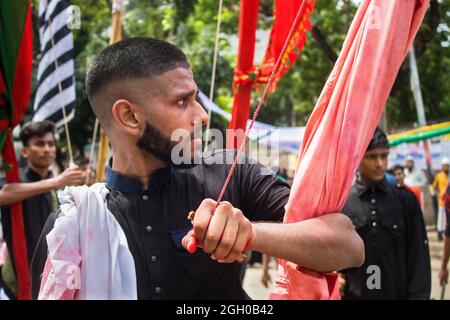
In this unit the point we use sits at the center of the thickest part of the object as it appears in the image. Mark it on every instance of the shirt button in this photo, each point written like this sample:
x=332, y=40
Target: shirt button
x=373, y=212
x=145, y=197
x=374, y=224
x=149, y=228
x=154, y=259
x=395, y=226
x=373, y=201
x=157, y=290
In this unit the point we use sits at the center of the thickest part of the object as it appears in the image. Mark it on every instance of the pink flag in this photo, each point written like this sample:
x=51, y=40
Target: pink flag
x=342, y=124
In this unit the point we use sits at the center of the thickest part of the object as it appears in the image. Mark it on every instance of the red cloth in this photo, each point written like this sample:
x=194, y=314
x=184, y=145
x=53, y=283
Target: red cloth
x=21, y=95
x=285, y=13
x=22, y=79
x=19, y=244
x=416, y=191
x=342, y=124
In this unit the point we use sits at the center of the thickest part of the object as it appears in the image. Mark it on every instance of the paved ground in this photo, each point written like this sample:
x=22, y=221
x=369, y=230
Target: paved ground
x=255, y=289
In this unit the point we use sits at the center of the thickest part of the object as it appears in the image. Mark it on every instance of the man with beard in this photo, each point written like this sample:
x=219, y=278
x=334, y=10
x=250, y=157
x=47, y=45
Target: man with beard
x=143, y=91
x=390, y=222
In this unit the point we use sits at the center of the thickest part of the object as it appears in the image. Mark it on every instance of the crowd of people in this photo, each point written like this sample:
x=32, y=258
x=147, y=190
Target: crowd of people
x=385, y=206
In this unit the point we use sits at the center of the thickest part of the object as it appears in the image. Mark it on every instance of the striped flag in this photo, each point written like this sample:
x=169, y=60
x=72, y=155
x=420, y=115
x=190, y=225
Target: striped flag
x=56, y=79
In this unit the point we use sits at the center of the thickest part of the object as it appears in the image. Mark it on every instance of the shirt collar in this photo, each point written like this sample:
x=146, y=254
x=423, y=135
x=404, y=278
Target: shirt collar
x=361, y=188
x=120, y=182
x=34, y=176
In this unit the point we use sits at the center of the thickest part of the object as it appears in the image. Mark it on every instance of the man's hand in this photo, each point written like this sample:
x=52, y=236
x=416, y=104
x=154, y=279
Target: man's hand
x=443, y=276
x=72, y=176
x=225, y=234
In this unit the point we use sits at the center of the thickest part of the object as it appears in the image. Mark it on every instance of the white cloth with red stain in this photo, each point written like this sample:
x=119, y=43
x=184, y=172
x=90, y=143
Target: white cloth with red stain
x=88, y=254
x=342, y=124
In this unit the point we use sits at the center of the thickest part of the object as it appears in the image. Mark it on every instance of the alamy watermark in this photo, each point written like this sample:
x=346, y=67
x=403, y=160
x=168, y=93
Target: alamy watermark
x=190, y=148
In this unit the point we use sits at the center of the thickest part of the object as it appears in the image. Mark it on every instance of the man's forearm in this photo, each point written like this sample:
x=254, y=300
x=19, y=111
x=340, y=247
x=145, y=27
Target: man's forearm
x=15, y=192
x=326, y=243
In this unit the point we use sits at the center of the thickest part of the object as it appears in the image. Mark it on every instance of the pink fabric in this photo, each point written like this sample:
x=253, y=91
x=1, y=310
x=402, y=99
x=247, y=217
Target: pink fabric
x=342, y=123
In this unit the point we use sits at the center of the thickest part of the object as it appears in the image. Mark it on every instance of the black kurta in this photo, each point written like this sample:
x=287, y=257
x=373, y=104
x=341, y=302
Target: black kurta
x=155, y=220
x=390, y=222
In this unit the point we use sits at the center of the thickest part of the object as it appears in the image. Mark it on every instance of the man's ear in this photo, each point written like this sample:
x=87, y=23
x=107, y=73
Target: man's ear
x=127, y=118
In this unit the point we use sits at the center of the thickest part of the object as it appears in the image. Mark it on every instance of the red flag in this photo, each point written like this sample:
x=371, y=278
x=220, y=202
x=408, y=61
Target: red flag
x=342, y=124
x=285, y=12
x=15, y=82
x=245, y=74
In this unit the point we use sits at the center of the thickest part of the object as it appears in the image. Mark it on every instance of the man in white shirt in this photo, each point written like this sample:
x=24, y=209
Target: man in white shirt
x=414, y=176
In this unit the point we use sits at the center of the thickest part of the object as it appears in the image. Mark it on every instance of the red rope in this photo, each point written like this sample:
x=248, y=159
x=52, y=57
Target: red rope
x=258, y=108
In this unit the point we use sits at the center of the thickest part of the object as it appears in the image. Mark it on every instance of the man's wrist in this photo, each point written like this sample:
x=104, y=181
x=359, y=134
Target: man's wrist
x=54, y=182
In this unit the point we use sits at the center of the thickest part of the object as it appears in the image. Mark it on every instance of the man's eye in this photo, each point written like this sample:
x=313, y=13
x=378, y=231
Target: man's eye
x=181, y=102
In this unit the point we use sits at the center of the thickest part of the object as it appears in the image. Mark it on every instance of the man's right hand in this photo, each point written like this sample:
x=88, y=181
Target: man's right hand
x=72, y=176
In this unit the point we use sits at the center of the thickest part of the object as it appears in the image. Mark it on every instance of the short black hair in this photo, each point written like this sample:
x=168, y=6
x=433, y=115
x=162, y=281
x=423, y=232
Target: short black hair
x=133, y=58
x=379, y=140
x=36, y=129
x=81, y=160
x=397, y=167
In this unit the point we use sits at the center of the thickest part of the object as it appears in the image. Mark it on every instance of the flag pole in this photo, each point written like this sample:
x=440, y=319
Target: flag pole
x=213, y=72
x=118, y=9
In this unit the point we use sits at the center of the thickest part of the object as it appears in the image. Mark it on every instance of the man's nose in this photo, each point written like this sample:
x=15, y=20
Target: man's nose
x=379, y=162
x=202, y=115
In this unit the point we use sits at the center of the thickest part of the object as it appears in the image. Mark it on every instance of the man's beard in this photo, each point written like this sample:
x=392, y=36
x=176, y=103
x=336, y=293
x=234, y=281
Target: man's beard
x=156, y=143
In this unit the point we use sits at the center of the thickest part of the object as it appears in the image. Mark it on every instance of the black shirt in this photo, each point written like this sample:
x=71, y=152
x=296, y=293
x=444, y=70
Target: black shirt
x=155, y=220
x=390, y=222
x=36, y=210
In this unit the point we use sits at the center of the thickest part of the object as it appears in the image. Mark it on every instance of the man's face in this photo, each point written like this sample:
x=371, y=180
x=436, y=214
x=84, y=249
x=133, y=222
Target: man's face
x=409, y=164
x=169, y=105
x=374, y=165
x=445, y=168
x=40, y=151
x=399, y=176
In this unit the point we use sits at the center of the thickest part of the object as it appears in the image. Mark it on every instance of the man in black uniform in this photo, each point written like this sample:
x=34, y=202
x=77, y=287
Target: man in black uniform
x=36, y=190
x=142, y=90
x=390, y=222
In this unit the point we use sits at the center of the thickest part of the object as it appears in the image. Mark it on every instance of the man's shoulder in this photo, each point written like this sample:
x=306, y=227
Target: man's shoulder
x=441, y=175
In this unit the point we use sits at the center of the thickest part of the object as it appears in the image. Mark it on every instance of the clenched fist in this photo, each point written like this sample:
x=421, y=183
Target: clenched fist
x=225, y=233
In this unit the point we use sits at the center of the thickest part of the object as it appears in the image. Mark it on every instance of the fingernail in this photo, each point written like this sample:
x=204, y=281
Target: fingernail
x=213, y=257
x=221, y=261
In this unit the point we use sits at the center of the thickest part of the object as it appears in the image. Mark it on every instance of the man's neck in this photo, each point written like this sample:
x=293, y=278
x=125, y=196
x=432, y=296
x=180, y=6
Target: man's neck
x=42, y=172
x=368, y=183
x=136, y=164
